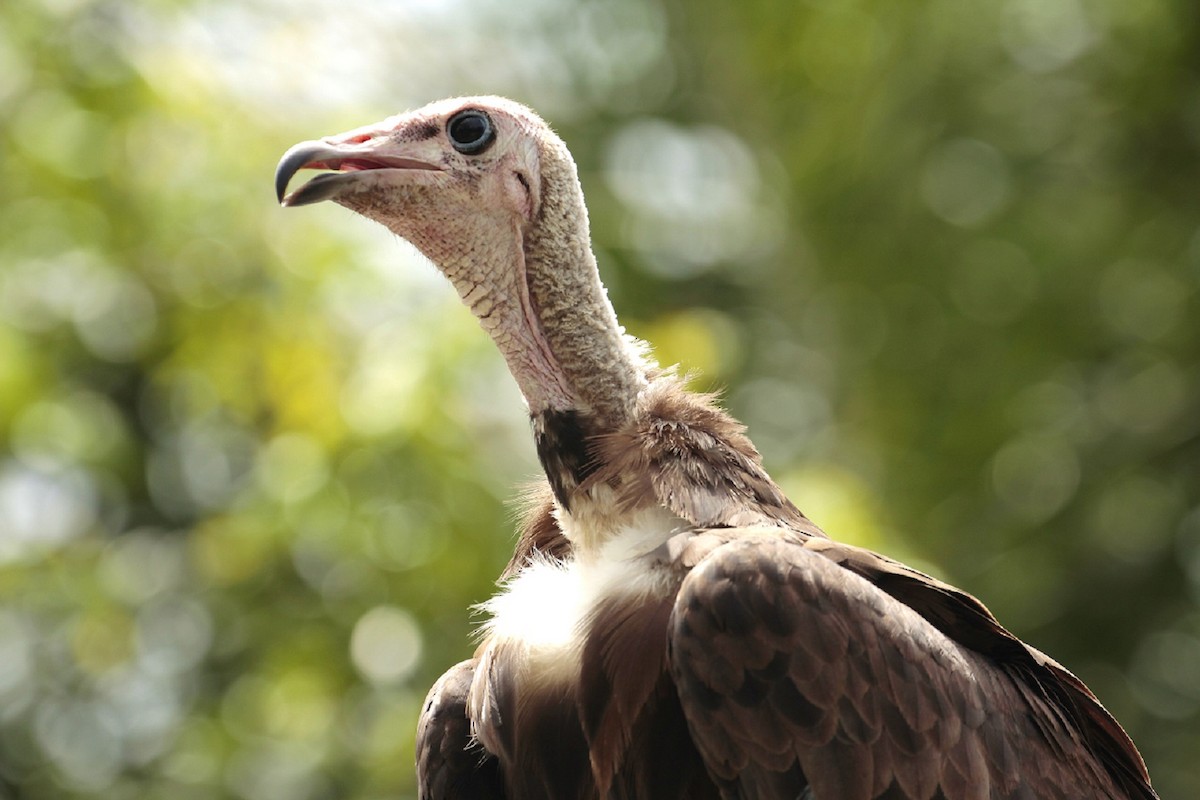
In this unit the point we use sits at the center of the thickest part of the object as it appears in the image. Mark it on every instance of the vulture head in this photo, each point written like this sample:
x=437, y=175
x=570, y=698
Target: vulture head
x=486, y=191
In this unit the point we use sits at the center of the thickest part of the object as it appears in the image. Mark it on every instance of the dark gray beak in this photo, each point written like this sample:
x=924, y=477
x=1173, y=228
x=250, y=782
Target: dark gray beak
x=310, y=155
x=349, y=160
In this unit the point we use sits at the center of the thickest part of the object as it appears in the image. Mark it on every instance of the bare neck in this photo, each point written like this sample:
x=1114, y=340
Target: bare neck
x=599, y=362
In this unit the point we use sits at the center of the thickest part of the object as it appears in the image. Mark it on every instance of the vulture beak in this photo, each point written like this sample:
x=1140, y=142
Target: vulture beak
x=350, y=162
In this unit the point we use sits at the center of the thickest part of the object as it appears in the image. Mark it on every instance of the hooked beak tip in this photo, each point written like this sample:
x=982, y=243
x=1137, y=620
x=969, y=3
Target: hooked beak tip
x=295, y=159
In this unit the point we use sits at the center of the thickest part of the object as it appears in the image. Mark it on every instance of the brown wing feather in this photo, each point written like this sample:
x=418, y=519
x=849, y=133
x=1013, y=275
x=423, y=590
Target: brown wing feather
x=450, y=765
x=799, y=657
x=966, y=620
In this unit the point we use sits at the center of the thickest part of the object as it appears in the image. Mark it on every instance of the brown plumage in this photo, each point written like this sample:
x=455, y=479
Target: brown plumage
x=670, y=625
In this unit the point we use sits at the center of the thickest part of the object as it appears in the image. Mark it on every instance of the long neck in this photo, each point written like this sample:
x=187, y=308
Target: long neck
x=599, y=363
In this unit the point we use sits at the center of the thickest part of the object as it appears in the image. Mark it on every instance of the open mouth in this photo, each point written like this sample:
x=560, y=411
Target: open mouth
x=345, y=168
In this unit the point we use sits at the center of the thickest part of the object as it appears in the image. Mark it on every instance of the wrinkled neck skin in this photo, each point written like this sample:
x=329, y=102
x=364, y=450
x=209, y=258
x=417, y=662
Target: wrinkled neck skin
x=597, y=361
x=489, y=277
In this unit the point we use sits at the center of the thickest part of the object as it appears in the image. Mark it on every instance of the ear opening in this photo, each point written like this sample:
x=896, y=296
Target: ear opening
x=520, y=191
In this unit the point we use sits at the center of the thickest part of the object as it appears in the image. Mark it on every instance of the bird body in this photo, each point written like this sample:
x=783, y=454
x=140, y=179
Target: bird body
x=670, y=625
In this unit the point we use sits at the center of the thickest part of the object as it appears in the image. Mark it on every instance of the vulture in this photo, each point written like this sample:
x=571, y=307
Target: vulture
x=670, y=624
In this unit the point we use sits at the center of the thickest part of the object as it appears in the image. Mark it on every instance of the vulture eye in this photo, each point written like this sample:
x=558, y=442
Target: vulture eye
x=470, y=131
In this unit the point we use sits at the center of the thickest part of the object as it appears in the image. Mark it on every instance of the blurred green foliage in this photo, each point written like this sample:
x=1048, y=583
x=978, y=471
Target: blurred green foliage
x=943, y=257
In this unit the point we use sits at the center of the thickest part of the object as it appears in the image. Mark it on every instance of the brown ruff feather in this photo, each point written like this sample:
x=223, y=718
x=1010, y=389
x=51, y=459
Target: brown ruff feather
x=539, y=533
x=685, y=453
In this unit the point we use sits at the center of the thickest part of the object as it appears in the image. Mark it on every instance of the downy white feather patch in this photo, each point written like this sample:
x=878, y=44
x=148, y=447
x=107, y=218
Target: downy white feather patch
x=545, y=609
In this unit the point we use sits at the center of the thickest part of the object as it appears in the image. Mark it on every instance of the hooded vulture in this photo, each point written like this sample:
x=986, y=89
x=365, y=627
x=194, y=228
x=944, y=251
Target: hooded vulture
x=670, y=625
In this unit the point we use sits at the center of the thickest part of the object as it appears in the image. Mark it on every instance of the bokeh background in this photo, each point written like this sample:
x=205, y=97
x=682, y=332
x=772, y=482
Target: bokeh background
x=942, y=256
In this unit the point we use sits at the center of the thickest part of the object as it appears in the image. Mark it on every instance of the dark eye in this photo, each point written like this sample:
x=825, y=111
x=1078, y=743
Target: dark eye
x=470, y=131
